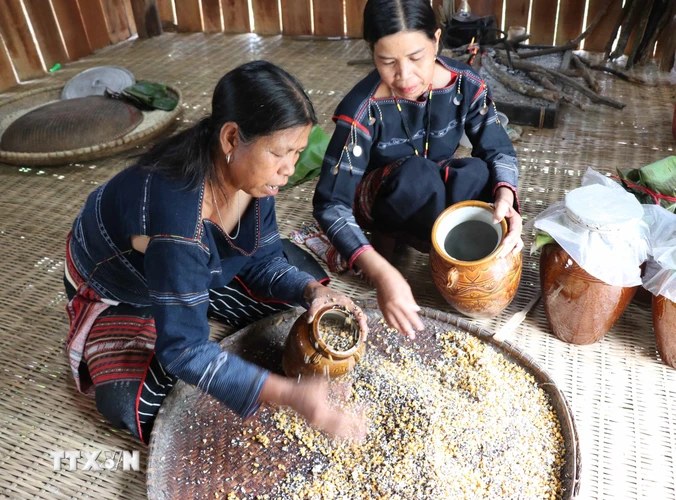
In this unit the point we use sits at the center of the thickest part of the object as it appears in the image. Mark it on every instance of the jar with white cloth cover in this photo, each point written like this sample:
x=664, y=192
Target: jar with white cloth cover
x=590, y=270
x=660, y=279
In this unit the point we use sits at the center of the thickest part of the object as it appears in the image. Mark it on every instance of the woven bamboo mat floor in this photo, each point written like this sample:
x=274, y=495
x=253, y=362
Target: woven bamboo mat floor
x=623, y=398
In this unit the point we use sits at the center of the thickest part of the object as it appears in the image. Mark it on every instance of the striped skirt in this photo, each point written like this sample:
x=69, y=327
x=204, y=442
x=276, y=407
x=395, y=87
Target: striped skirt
x=110, y=348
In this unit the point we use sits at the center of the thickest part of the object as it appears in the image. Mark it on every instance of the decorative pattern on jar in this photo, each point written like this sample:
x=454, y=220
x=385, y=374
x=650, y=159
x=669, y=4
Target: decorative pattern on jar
x=330, y=346
x=465, y=267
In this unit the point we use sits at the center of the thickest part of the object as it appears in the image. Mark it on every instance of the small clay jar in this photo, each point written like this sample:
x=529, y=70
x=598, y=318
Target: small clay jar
x=465, y=267
x=307, y=352
x=580, y=308
x=664, y=322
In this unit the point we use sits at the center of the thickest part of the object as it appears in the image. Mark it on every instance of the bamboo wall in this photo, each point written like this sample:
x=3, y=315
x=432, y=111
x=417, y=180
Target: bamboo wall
x=36, y=34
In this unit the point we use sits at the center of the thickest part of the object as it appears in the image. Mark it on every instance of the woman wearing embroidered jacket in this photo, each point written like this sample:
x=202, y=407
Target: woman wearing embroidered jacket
x=189, y=231
x=389, y=166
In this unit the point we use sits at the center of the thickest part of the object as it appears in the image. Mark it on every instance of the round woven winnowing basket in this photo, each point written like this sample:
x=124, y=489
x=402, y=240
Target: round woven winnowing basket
x=154, y=123
x=191, y=452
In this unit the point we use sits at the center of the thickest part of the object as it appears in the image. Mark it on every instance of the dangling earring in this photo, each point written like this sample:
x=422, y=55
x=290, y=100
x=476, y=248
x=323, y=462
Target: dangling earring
x=227, y=158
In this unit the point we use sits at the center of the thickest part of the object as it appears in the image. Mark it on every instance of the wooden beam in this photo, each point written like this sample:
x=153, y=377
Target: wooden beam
x=354, y=11
x=328, y=17
x=543, y=22
x=516, y=13
x=7, y=77
x=211, y=15
x=236, y=16
x=95, y=23
x=597, y=39
x=571, y=17
x=116, y=20
x=20, y=44
x=166, y=8
x=147, y=18
x=72, y=28
x=296, y=17
x=188, y=15
x=266, y=17
x=46, y=32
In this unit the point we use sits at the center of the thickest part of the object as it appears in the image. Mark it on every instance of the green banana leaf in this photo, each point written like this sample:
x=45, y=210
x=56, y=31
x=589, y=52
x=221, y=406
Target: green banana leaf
x=659, y=177
x=541, y=239
x=309, y=163
x=150, y=95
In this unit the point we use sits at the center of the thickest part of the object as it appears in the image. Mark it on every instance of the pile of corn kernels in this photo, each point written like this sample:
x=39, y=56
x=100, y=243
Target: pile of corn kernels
x=468, y=425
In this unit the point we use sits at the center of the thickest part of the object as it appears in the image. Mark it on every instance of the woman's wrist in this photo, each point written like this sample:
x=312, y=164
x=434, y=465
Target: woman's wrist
x=374, y=265
x=309, y=292
x=505, y=193
x=276, y=390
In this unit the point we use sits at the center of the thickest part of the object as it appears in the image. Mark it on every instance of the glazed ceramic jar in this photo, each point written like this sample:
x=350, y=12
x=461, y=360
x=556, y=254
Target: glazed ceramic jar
x=660, y=279
x=330, y=346
x=580, y=308
x=464, y=262
x=591, y=273
x=664, y=322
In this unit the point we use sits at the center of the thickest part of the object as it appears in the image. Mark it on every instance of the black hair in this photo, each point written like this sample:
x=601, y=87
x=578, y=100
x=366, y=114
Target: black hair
x=387, y=17
x=258, y=96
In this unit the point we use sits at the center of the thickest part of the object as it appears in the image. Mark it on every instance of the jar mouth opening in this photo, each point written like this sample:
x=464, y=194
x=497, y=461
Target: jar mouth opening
x=338, y=332
x=465, y=232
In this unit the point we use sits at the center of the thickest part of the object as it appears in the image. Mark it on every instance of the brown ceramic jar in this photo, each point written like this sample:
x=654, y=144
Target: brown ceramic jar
x=664, y=322
x=307, y=354
x=580, y=308
x=464, y=262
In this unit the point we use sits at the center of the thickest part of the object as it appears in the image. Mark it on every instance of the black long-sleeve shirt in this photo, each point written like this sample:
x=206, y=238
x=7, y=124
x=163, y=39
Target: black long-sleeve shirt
x=384, y=140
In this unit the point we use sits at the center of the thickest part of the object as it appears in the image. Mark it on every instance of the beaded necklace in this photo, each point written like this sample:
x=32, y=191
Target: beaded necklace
x=428, y=119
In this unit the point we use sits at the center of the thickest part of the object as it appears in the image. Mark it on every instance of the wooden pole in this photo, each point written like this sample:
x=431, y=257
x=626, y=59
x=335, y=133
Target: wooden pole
x=147, y=18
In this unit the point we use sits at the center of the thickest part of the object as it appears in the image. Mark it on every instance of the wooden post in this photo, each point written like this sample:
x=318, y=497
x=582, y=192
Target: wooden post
x=46, y=32
x=516, y=13
x=236, y=16
x=95, y=23
x=7, y=78
x=497, y=12
x=354, y=10
x=72, y=28
x=20, y=45
x=571, y=16
x=147, y=18
x=483, y=7
x=296, y=18
x=166, y=9
x=188, y=15
x=596, y=41
x=328, y=17
x=116, y=19
x=543, y=22
x=211, y=15
x=266, y=17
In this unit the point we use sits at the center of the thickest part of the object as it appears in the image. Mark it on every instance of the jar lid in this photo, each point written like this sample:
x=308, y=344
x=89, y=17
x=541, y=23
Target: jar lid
x=601, y=208
x=95, y=81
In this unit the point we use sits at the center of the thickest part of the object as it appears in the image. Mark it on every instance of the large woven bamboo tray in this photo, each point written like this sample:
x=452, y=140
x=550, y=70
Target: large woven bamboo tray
x=154, y=123
x=191, y=454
